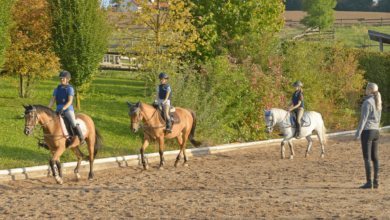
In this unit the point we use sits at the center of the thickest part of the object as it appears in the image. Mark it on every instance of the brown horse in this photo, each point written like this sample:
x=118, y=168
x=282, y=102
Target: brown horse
x=56, y=141
x=154, y=129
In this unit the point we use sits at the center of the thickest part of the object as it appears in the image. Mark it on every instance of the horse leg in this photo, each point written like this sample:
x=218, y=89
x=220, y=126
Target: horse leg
x=321, y=142
x=160, y=150
x=183, y=149
x=91, y=150
x=282, y=148
x=79, y=155
x=56, y=165
x=308, y=147
x=180, y=141
x=291, y=148
x=146, y=143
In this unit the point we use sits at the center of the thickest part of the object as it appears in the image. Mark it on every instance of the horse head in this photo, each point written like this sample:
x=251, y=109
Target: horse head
x=269, y=121
x=31, y=119
x=135, y=115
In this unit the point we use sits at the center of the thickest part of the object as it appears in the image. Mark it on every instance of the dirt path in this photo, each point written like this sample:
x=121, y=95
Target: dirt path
x=247, y=184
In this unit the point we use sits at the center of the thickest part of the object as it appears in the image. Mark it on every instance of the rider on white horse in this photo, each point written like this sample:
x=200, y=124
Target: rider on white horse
x=298, y=103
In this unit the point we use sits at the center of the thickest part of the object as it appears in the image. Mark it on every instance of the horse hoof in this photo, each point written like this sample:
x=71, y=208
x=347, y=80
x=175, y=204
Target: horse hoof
x=176, y=163
x=160, y=168
x=78, y=176
x=322, y=156
x=59, y=180
x=282, y=156
x=307, y=154
x=146, y=167
x=291, y=157
x=185, y=164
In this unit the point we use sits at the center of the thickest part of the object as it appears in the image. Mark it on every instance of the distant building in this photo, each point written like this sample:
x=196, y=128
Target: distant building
x=133, y=5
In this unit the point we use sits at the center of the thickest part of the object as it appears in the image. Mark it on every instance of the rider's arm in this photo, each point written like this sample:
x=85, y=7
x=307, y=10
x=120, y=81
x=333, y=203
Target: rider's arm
x=290, y=103
x=70, y=98
x=166, y=98
x=51, y=103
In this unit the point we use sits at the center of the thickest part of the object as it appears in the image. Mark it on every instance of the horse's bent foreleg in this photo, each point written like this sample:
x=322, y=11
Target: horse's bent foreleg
x=180, y=141
x=145, y=144
x=79, y=155
x=291, y=149
x=309, y=145
x=161, y=152
x=321, y=139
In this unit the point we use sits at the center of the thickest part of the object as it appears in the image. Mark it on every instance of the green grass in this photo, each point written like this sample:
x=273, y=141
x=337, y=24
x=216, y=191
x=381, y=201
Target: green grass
x=354, y=35
x=104, y=102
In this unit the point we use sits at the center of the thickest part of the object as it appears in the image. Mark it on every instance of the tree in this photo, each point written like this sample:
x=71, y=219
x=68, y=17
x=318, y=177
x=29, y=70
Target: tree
x=226, y=25
x=30, y=55
x=169, y=33
x=383, y=6
x=293, y=5
x=5, y=21
x=80, y=33
x=320, y=13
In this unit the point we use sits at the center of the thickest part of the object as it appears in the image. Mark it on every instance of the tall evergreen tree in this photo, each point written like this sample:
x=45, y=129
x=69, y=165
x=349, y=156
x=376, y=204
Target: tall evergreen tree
x=293, y=5
x=383, y=6
x=80, y=34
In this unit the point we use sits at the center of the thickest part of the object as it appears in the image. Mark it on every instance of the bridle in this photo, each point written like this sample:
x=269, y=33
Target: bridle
x=142, y=126
x=273, y=124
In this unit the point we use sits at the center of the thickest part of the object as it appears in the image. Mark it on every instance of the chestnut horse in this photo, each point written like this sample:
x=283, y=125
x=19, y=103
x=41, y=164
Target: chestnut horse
x=56, y=141
x=153, y=129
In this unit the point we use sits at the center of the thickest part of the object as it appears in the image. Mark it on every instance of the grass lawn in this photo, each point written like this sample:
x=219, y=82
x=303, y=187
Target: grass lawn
x=105, y=102
x=354, y=35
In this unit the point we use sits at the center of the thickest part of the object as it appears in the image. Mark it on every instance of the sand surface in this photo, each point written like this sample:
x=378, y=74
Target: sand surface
x=243, y=184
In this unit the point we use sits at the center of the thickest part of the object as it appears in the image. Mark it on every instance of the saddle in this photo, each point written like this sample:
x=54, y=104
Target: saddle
x=175, y=119
x=305, y=121
x=68, y=131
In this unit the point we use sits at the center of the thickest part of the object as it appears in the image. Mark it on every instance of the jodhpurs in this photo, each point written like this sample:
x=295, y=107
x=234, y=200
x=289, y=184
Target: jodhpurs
x=166, y=111
x=370, y=140
x=299, y=112
x=72, y=118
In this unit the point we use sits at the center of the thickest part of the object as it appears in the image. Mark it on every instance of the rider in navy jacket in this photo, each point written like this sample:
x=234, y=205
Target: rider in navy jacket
x=298, y=104
x=63, y=96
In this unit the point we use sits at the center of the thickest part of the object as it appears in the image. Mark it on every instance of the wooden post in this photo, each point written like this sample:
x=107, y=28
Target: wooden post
x=341, y=22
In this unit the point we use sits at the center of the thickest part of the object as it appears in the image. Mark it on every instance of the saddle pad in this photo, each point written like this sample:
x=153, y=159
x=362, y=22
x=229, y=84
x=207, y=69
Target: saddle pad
x=305, y=121
x=176, y=118
x=81, y=123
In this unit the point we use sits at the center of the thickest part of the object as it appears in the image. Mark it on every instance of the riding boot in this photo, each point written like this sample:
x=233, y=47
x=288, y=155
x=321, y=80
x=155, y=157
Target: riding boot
x=167, y=119
x=376, y=175
x=79, y=134
x=169, y=126
x=368, y=185
x=298, y=136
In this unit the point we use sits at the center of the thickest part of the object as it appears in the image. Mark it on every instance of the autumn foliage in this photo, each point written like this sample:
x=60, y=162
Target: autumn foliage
x=30, y=56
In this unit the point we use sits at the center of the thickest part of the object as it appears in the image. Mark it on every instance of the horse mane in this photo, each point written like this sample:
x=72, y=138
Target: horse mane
x=43, y=109
x=278, y=110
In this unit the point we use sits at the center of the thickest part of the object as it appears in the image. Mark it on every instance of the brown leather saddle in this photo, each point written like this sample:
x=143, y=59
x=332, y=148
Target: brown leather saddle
x=174, y=115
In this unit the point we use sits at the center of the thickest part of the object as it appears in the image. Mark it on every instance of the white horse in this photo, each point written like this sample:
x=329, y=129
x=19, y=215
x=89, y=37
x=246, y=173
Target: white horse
x=283, y=119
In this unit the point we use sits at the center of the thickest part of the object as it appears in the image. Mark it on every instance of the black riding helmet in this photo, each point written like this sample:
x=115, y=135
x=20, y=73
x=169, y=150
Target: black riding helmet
x=298, y=83
x=64, y=74
x=163, y=75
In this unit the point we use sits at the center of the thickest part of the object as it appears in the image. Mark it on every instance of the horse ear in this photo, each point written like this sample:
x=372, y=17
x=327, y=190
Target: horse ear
x=138, y=104
x=266, y=112
x=24, y=106
x=129, y=104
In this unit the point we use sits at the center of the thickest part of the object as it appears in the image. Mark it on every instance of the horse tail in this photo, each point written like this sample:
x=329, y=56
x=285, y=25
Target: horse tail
x=98, y=142
x=192, y=133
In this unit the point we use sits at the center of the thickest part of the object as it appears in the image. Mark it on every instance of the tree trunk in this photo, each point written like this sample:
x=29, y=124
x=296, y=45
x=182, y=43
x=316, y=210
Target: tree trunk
x=21, y=86
x=78, y=107
x=28, y=84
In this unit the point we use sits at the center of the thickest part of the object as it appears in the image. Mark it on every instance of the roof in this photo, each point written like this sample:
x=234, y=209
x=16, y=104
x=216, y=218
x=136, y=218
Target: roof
x=152, y=4
x=376, y=36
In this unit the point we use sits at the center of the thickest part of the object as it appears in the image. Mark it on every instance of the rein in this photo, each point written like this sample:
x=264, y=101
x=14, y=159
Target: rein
x=36, y=129
x=272, y=126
